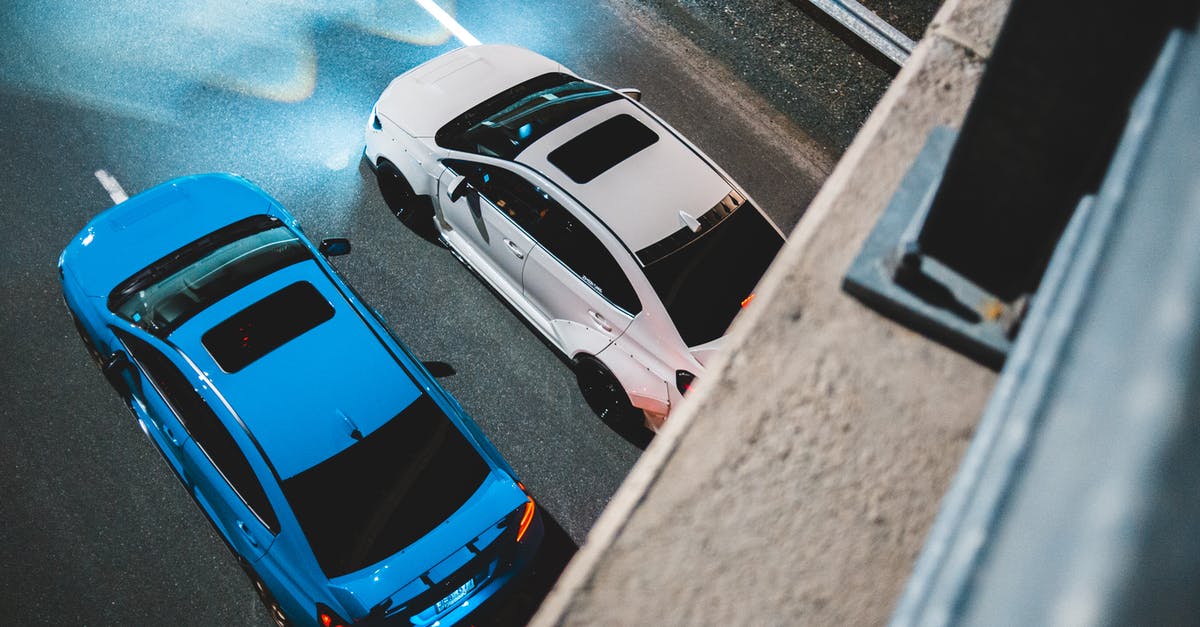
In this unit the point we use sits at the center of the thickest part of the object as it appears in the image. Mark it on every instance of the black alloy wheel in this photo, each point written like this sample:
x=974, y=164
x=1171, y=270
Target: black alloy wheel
x=602, y=392
x=274, y=610
x=93, y=352
x=397, y=193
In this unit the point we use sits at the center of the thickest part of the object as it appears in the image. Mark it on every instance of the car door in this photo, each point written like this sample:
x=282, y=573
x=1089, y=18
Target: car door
x=575, y=281
x=150, y=384
x=226, y=484
x=484, y=220
x=180, y=414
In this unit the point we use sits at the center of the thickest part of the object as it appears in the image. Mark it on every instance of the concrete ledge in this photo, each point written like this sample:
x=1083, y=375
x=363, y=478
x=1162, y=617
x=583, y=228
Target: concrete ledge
x=798, y=482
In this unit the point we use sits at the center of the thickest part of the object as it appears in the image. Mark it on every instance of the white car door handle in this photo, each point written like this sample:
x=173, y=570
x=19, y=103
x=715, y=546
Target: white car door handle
x=600, y=321
x=515, y=248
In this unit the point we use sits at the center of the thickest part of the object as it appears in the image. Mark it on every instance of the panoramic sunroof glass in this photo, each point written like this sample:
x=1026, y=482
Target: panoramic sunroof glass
x=266, y=325
x=596, y=150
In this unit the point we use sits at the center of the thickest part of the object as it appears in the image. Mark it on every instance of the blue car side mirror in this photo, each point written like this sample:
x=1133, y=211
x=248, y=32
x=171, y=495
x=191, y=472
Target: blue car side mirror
x=334, y=246
x=115, y=367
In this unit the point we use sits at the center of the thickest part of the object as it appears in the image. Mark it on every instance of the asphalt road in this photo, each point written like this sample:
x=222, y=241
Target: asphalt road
x=94, y=529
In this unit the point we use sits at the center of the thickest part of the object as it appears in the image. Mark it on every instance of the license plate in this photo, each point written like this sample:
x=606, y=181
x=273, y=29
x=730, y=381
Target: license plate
x=455, y=596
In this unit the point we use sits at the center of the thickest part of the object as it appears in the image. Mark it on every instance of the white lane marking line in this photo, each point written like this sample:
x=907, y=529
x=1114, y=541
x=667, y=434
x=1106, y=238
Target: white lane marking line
x=110, y=185
x=450, y=23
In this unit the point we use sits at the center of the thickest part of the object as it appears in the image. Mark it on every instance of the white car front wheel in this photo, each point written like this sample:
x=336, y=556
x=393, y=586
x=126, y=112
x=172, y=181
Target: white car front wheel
x=399, y=195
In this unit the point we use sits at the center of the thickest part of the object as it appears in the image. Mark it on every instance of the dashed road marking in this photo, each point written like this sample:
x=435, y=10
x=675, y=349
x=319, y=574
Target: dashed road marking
x=450, y=23
x=110, y=185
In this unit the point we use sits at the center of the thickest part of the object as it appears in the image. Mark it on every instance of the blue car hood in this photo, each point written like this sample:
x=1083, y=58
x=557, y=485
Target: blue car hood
x=439, y=554
x=149, y=226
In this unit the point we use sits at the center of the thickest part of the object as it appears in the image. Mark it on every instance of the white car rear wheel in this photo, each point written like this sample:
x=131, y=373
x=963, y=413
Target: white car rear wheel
x=603, y=393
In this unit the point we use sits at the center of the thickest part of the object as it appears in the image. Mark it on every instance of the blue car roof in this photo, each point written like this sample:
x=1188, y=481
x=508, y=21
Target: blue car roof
x=302, y=400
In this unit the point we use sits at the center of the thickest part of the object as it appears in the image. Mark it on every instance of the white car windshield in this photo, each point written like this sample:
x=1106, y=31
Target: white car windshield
x=505, y=124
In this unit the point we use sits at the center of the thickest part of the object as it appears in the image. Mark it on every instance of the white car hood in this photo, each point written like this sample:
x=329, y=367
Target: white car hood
x=428, y=96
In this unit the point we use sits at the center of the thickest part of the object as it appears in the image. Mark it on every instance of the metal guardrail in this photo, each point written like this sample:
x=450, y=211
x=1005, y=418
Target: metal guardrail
x=869, y=27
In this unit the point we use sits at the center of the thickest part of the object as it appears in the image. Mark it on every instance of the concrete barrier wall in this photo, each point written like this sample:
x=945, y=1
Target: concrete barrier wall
x=797, y=483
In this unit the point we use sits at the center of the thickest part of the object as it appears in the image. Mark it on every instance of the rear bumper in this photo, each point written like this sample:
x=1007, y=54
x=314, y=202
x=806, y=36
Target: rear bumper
x=494, y=572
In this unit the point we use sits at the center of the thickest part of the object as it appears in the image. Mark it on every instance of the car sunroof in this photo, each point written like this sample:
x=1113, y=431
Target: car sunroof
x=266, y=325
x=601, y=147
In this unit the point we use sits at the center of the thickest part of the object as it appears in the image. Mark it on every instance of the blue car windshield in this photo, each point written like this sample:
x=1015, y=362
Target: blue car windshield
x=387, y=490
x=168, y=292
x=505, y=124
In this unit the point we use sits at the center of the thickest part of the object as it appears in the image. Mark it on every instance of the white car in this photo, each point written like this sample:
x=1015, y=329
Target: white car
x=618, y=240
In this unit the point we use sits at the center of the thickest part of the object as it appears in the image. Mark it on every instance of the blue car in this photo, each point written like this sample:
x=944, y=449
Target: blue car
x=351, y=487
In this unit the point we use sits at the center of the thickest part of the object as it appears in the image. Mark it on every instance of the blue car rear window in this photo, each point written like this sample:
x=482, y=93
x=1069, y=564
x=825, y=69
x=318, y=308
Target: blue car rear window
x=387, y=490
x=266, y=325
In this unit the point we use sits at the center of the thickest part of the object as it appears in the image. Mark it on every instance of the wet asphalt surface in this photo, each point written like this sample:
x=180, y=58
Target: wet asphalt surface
x=94, y=529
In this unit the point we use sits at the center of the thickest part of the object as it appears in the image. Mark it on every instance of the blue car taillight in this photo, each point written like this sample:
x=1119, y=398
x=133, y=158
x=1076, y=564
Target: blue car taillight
x=328, y=618
x=527, y=512
x=526, y=518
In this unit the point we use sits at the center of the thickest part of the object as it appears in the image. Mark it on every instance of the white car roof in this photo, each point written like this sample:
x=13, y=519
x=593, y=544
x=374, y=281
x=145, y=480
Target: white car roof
x=424, y=98
x=641, y=197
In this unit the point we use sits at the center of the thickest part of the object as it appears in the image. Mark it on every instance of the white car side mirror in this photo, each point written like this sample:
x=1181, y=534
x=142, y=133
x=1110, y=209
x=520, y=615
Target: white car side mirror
x=458, y=186
x=634, y=94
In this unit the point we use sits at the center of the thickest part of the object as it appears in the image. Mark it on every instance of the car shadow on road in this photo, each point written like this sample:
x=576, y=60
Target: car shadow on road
x=629, y=426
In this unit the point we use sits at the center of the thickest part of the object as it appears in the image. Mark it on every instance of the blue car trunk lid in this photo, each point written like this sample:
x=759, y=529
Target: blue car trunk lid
x=464, y=547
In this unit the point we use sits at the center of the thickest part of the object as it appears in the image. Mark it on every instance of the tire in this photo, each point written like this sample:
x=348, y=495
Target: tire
x=603, y=393
x=93, y=352
x=274, y=610
x=404, y=203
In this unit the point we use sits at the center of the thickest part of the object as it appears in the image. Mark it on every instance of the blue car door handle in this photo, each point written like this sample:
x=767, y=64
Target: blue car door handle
x=170, y=435
x=246, y=532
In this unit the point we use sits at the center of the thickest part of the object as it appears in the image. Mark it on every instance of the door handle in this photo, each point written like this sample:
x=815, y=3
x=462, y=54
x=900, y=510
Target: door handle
x=246, y=532
x=170, y=435
x=515, y=248
x=600, y=321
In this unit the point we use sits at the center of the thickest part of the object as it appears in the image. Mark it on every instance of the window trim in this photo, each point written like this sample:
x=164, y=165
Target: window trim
x=274, y=529
x=122, y=336
x=585, y=281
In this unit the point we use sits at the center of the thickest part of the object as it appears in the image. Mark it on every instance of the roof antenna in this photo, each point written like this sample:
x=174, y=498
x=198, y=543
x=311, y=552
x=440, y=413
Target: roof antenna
x=689, y=221
x=354, y=432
